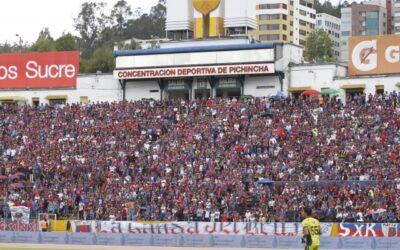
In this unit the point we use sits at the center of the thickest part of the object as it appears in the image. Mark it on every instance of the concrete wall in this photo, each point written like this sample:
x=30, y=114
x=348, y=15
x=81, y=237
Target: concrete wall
x=96, y=87
x=261, y=86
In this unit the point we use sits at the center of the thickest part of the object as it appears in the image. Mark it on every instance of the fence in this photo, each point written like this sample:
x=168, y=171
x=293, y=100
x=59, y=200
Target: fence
x=205, y=234
x=244, y=241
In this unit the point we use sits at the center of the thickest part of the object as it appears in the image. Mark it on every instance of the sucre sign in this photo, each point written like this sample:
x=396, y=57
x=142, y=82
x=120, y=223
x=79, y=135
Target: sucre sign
x=237, y=69
x=39, y=70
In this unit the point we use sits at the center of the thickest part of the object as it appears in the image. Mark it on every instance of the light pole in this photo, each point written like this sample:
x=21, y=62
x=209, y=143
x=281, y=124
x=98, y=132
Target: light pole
x=19, y=43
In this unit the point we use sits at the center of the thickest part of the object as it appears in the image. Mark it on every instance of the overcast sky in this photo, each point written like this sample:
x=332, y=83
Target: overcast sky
x=28, y=17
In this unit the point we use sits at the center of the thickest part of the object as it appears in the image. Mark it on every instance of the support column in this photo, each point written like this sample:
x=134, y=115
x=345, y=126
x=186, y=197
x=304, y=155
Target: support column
x=190, y=82
x=241, y=80
x=281, y=76
x=123, y=87
x=212, y=85
x=161, y=85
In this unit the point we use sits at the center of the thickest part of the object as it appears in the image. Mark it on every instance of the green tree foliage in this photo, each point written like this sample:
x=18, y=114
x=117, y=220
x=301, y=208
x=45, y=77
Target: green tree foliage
x=120, y=15
x=131, y=45
x=44, y=43
x=102, y=61
x=66, y=43
x=90, y=23
x=327, y=7
x=319, y=47
x=148, y=26
x=14, y=48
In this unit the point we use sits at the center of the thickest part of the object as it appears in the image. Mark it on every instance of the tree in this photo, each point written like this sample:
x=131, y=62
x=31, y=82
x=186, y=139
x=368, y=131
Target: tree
x=132, y=45
x=44, y=42
x=120, y=15
x=8, y=48
x=66, y=43
x=319, y=47
x=158, y=15
x=90, y=22
x=328, y=8
x=148, y=25
x=102, y=60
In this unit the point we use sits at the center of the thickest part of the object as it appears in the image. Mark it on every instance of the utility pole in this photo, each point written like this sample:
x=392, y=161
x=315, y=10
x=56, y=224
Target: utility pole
x=19, y=43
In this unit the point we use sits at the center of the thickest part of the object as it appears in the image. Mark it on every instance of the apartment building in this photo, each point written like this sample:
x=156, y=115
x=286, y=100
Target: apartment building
x=396, y=17
x=360, y=20
x=331, y=25
x=285, y=20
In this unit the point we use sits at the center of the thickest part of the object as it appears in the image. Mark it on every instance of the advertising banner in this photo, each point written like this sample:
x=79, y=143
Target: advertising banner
x=20, y=213
x=39, y=70
x=82, y=226
x=387, y=243
x=25, y=237
x=138, y=240
x=165, y=240
x=201, y=241
x=236, y=228
x=32, y=226
x=355, y=243
x=374, y=55
x=259, y=241
x=82, y=238
x=202, y=228
x=195, y=241
x=53, y=238
x=6, y=236
x=360, y=230
x=220, y=70
x=109, y=239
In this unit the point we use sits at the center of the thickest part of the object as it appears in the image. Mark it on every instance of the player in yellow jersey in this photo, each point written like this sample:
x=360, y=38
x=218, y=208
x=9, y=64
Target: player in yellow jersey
x=311, y=229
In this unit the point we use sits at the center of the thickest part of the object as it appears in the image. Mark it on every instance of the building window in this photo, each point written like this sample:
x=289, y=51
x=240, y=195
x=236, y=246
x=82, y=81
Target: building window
x=372, y=23
x=272, y=37
x=345, y=33
x=269, y=6
x=269, y=27
x=269, y=17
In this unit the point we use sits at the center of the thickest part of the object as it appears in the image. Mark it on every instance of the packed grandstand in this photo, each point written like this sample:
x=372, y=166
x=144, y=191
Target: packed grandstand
x=255, y=159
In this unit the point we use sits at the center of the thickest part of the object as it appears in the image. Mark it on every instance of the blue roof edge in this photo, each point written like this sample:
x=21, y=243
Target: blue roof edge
x=193, y=49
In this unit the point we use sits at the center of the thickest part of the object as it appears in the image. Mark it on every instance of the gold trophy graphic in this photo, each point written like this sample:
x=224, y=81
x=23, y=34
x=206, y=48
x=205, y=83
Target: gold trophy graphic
x=205, y=7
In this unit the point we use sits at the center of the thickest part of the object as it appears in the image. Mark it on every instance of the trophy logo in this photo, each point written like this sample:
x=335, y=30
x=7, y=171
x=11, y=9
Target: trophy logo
x=205, y=7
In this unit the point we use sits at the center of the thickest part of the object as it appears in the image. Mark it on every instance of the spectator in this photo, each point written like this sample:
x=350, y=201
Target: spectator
x=175, y=159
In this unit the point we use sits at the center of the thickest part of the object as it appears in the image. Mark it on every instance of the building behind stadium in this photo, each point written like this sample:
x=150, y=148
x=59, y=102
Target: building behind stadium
x=210, y=54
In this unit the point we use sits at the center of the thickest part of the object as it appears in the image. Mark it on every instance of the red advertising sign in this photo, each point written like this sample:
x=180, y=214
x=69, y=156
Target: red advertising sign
x=39, y=70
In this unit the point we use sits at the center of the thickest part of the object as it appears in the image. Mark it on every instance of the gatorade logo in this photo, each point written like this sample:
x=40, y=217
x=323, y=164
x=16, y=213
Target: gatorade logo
x=364, y=56
x=374, y=55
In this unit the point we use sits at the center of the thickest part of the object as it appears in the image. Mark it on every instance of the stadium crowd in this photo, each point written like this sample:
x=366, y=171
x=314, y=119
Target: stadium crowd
x=203, y=160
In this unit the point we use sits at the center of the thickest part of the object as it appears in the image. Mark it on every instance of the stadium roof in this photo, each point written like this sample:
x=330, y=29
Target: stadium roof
x=194, y=49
